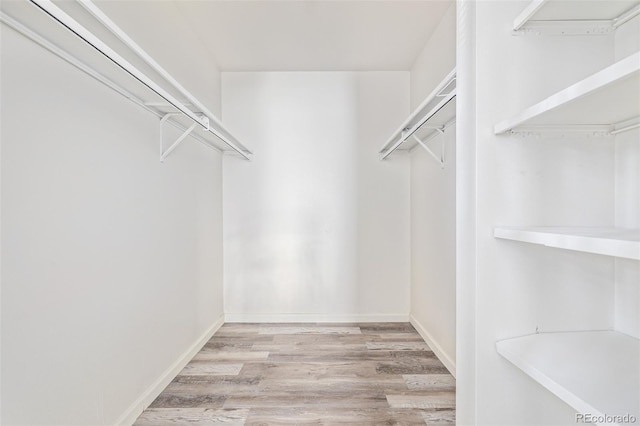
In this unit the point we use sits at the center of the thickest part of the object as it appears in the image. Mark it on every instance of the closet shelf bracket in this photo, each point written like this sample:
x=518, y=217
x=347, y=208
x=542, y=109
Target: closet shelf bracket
x=567, y=28
x=164, y=154
x=564, y=21
x=423, y=144
x=589, y=131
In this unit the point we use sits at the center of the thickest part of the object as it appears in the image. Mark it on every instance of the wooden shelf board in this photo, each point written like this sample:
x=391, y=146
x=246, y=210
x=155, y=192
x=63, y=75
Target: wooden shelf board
x=618, y=242
x=595, y=372
x=602, y=98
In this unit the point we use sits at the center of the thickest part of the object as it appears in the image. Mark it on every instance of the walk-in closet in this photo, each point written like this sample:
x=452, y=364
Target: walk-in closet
x=323, y=212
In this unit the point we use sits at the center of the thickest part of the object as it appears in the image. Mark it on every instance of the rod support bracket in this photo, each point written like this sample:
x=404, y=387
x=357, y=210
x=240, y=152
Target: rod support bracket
x=438, y=159
x=164, y=154
x=205, y=123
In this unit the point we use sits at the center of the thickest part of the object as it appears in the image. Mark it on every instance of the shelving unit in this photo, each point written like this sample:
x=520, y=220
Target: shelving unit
x=431, y=118
x=581, y=368
x=595, y=372
x=623, y=243
x=581, y=103
x=564, y=17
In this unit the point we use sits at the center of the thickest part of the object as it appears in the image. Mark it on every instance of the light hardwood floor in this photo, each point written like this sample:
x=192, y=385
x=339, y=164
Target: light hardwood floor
x=316, y=374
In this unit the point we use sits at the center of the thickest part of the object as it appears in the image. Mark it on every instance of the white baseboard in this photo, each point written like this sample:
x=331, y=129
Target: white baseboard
x=149, y=395
x=267, y=318
x=448, y=362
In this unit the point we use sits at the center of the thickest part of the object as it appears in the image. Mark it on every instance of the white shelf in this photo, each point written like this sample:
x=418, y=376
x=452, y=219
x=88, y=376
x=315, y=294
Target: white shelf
x=547, y=10
x=435, y=112
x=616, y=242
x=595, y=372
x=606, y=97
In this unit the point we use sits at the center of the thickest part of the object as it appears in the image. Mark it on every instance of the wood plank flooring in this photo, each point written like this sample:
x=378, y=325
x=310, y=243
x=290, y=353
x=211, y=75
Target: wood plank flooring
x=309, y=374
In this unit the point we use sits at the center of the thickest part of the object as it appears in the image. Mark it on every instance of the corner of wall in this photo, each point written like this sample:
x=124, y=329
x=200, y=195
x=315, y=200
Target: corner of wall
x=447, y=359
x=436, y=59
x=151, y=393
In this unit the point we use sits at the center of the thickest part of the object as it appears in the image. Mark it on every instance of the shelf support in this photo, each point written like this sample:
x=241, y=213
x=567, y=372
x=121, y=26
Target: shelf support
x=589, y=131
x=440, y=159
x=525, y=24
x=566, y=28
x=164, y=154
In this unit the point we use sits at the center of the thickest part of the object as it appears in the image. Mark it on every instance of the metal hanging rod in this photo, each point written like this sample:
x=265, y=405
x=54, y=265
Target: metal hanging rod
x=72, y=60
x=439, y=92
x=131, y=44
x=72, y=25
x=406, y=134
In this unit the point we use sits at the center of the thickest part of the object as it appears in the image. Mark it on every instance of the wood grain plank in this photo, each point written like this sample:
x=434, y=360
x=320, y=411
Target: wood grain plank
x=309, y=330
x=439, y=417
x=191, y=417
x=320, y=374
x=184, y=400
x=435, y=400
x=429, y=381
x=198, y=368
x=228, y=356
x=397, y=346
x=333, y=416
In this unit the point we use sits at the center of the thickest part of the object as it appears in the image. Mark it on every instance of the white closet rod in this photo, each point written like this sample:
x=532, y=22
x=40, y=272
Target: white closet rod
x=72, y=25
x=406, y=135
x=131, y=44
x=62, y=54
x=437, y=92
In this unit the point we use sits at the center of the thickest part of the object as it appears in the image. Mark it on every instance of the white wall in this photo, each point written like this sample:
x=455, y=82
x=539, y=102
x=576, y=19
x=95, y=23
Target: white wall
x=164, y=33
x=436, y=60
x=111, y=261
x=316, y=227
x=433, y=207
x=561, y=181
x=433, y=250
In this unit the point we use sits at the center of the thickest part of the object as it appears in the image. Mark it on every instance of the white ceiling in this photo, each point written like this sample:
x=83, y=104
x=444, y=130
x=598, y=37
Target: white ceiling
x=303, y=35
x=262, y=35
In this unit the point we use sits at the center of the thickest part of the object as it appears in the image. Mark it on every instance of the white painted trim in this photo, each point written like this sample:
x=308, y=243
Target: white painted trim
x=287, y=318
x=448, y=361
x=148, y=396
